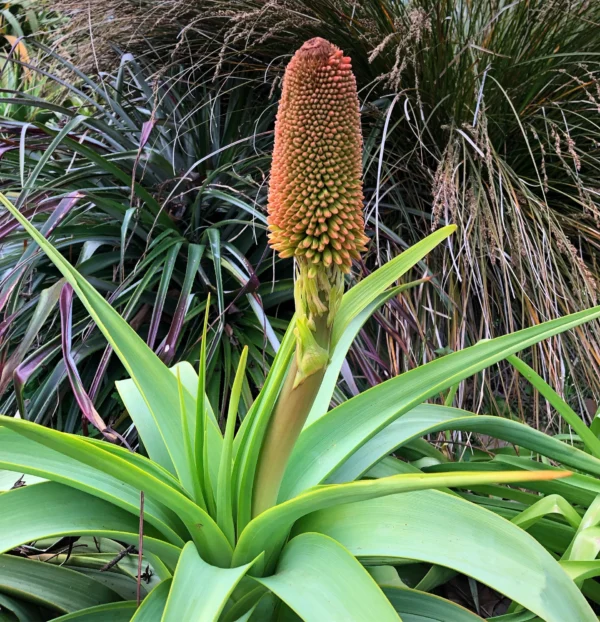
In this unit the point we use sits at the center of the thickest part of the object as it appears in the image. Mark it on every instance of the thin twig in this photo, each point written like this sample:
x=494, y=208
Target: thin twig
x=140, y=550
x=113, y=562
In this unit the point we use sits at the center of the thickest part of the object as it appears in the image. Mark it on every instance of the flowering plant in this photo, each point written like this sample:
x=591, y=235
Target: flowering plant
x=298, y=514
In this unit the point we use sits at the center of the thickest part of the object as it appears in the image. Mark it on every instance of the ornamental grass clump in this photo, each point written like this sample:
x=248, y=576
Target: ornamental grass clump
x=296, y=512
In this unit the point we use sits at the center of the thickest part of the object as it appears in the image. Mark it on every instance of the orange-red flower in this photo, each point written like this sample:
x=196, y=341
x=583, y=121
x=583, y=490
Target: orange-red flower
x=315, y=195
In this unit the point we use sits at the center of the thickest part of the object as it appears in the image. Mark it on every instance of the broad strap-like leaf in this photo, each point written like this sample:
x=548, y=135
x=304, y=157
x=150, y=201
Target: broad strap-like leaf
x=22, y=610
x=24, y=455
x=267, y=532
x=141, y=416
x=115, y=612
x=431, y=418
x=481, y=545
x=70, y=512
x=200, y=591
x=201, y=441
x=200, y=525
x=364, y=293
x=415, y=606
x=589, y=439
x=245, y=601
x=320, y=580
x=198, y=492
x=578, y=548
x=155, y=382
x=224, y=497
x=519, y=616
x=51, y=586
x=328, y=442
x=551, y=504
x=153, y=607
x=581, y=570
x=247, y=616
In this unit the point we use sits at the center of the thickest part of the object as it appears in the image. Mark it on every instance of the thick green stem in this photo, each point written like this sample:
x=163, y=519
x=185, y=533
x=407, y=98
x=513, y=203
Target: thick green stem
x=285, y=425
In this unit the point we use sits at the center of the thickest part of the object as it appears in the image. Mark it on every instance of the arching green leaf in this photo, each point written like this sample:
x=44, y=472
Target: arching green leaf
x=325, y=445
x=115, y=612
x=153, y=606
x=320, y=580
x=70, y=512
x=267, y=532
x=200, y=591
x=51, y=586
x=430, y=418
x=415, y=606
x=475, y=541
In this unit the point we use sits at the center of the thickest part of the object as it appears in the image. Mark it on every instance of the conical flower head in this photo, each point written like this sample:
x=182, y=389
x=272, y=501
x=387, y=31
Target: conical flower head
x=315, y=195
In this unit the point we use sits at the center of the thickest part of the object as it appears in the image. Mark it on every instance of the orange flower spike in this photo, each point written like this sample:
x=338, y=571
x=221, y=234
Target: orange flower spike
x=315, y=216
x=315, y=193
x=315, y=197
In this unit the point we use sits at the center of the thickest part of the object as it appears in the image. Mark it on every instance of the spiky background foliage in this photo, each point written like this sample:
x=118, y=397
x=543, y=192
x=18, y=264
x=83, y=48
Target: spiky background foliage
x=480, y=113
x=22, y=18
x=190, y=224
x=19, y=21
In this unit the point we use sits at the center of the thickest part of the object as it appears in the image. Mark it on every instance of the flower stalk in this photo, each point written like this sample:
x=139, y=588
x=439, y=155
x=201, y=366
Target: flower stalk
x=315, y=216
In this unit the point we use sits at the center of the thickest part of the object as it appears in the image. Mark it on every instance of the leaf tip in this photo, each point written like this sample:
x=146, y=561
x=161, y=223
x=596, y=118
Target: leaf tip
x=548, y=475
x=558, y=474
